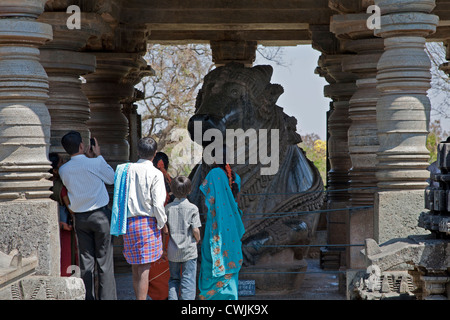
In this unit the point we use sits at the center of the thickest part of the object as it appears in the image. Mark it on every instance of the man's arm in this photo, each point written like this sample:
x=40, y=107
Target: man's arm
x=158, y=196
x=105, y=172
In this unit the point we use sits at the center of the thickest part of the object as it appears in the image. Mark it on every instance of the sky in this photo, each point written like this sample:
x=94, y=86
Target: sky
x=303, y=89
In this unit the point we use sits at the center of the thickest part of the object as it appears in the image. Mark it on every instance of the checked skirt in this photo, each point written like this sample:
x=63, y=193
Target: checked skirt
x=142, y=243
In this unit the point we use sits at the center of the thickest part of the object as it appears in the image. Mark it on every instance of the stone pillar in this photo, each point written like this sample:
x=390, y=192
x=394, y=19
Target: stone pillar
x=64, y=64
x=105, y=89
x=240, y=51
x=341, y=88
x=28, y=218
x=129, y=109
x=362, y=134
x=403, y=113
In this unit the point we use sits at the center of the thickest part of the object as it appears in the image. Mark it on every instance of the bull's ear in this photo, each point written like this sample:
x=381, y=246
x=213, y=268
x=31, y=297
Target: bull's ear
x=198, y=100
x=271, y=94
x=268, y=99
x=264, y=71
x=275, y=91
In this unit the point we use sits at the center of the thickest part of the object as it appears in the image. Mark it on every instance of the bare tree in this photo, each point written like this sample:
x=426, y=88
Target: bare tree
x=169, y=95
x=440, y=83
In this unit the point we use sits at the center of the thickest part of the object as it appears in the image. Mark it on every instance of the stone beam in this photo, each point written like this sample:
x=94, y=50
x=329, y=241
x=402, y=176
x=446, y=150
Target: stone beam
x=229, y=4
x=264, y=37
x=226, y=14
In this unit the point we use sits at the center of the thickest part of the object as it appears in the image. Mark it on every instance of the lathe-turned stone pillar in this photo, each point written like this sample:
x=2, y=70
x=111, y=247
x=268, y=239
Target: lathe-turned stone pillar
x=403, y=113
x=362, y=134
x=129, y=109
x=105, y=89
x=24, y=118
x=28, y=218
x=64, y=64
x=340, y=89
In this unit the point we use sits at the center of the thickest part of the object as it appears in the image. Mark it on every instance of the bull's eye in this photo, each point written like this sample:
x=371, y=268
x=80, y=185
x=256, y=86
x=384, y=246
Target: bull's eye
x=234, y=93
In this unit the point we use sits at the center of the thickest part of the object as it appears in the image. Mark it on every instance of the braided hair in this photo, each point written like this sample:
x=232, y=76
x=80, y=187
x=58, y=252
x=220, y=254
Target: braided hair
x=230, y=174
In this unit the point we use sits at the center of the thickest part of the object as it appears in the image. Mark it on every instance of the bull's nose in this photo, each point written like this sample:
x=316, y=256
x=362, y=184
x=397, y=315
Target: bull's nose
x=191, y=125
x=205, y=122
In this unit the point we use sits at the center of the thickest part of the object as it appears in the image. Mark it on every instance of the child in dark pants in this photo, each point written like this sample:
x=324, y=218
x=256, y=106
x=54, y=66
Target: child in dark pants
x=183, y=220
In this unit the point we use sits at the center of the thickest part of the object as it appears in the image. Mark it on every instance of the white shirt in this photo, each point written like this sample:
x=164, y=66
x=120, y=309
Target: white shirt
x=85, y=180
x=147, y=192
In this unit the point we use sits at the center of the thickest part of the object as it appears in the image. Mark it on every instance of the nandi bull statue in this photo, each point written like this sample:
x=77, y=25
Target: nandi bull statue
x=240, y=102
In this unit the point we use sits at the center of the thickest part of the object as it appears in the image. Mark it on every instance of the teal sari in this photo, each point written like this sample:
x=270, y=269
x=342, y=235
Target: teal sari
x=221, y=247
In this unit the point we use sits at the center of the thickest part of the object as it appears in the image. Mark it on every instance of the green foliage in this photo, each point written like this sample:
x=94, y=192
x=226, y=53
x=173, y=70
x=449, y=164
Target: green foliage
x=435, y=136
x=316, y=151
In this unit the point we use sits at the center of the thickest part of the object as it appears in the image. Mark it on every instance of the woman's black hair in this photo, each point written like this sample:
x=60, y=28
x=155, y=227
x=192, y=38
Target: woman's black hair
x=223, y=165
x=161, y=156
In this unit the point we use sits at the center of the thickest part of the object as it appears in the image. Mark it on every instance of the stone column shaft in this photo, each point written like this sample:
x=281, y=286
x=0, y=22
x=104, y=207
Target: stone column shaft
x=403, y=114
x=403, y=110
x=68, y=106
x=341, y=88
x=28, y=218
x=106, y=90
x=64, y=64
x=362, y=134
x=24, y=118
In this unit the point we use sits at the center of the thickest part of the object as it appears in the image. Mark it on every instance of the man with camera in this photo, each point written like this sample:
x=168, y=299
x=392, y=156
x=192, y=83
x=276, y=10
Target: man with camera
x=85, y=176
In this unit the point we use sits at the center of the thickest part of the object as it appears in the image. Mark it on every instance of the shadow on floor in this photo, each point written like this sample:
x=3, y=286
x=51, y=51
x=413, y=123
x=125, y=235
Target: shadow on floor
x=323, y=285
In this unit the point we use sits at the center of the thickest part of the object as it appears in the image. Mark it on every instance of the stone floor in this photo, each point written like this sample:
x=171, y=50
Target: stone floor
x=323, y=285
